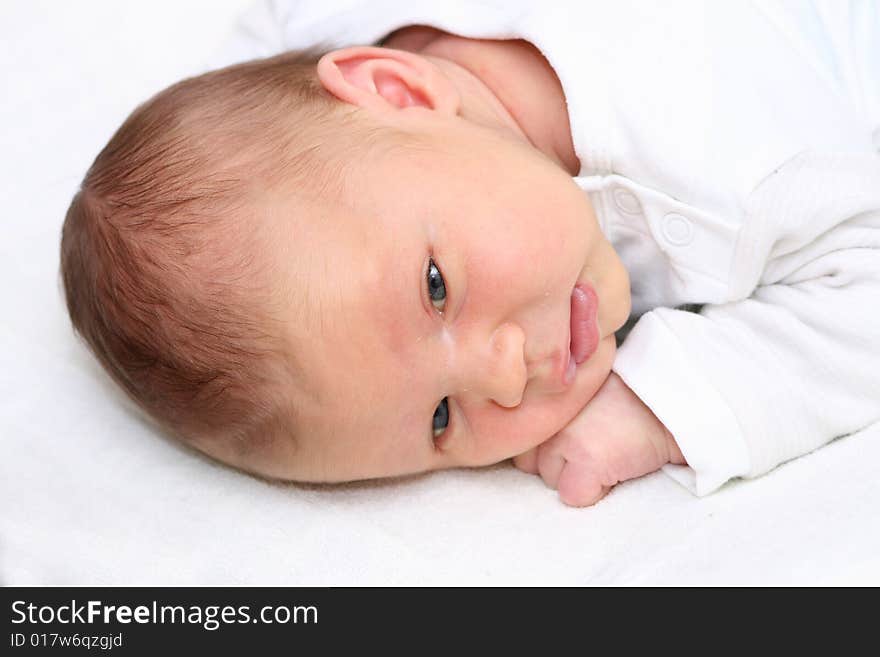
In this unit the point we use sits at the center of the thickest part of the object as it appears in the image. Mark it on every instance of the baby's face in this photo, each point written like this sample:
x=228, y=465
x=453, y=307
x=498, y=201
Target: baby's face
x=431, y=309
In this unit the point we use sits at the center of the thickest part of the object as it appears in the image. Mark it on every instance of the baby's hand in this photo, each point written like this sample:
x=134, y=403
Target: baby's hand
x=614, y=438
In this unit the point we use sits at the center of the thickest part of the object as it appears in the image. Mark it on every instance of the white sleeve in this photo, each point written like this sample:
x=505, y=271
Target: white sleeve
x=747, y=385
x=840, y=40
x=853, y=32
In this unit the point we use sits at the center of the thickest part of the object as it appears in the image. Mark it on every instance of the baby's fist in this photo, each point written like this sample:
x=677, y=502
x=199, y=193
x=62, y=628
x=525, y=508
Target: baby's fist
x=615, y=437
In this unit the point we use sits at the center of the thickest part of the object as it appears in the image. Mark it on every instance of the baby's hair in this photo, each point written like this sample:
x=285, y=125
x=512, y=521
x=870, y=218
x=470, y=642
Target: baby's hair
x=160, y=249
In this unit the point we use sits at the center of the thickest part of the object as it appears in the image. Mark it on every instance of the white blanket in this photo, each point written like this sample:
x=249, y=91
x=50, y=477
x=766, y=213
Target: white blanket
x=90, y=494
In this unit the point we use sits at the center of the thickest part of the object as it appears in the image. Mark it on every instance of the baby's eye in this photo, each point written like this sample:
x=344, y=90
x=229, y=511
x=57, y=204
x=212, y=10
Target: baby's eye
x=441, y=418
x=436, y=286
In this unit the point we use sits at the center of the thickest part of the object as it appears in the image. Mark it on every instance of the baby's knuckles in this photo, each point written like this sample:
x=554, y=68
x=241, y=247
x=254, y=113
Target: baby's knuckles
x=579, y=488
x=590, y=466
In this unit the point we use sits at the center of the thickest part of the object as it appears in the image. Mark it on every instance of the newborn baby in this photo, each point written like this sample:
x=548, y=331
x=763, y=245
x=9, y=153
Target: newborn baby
x=390, y=259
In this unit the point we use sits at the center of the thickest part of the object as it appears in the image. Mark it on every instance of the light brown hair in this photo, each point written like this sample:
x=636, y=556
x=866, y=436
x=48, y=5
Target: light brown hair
x=160, y=251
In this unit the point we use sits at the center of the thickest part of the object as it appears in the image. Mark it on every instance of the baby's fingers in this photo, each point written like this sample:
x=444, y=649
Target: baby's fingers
x=527, y=461
x=550, y=463
x=572, y=466
x=578, y=485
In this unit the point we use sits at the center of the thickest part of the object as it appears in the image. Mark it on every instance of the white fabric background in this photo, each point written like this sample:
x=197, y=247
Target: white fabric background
x=89, y=494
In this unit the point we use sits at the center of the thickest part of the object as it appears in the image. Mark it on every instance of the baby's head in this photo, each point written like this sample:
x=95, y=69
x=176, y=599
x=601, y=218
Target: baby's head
x=337, y=268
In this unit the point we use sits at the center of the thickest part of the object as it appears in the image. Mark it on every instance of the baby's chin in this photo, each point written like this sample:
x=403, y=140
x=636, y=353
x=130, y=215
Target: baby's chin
x=590, y=376
x=592, y=373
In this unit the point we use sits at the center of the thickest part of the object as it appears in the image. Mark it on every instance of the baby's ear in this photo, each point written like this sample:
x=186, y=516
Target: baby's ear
x=387, y=79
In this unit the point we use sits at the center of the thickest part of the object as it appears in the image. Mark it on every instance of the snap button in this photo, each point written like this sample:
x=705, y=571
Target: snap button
x=627, y=201
x=677, y=230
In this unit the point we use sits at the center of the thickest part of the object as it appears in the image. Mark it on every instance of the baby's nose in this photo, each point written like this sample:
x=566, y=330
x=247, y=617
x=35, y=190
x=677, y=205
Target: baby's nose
x=501, y=375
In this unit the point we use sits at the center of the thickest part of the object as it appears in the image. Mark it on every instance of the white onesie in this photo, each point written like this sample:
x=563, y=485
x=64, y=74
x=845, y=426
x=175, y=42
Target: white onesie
x=731, y=153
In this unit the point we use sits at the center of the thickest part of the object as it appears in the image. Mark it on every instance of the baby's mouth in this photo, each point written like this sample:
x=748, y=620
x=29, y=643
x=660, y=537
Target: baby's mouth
x=584, y=327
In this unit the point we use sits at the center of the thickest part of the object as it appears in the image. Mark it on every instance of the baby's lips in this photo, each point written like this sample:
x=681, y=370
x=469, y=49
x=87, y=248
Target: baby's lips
x=584, y=328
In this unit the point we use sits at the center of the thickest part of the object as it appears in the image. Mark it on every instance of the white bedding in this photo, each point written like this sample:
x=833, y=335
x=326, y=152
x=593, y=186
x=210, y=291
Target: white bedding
x=90, y=494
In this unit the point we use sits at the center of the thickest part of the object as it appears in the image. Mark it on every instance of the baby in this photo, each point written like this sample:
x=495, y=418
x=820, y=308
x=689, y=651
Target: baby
x=389, y=259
